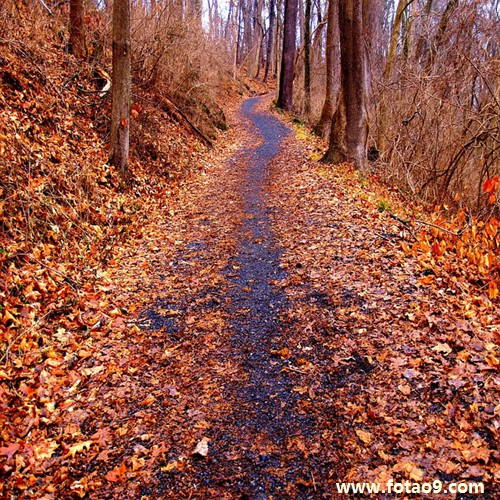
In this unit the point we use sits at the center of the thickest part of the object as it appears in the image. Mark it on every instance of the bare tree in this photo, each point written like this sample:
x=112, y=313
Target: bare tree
x=391, y=57
x=270, y=38
x=307, y=57
x=120, y=126
x=285, y=95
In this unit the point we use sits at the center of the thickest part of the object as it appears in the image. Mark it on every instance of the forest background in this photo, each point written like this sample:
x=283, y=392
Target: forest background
x=420, y=81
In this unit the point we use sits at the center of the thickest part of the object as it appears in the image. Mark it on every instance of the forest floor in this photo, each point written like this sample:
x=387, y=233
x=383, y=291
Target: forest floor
x=269, y=336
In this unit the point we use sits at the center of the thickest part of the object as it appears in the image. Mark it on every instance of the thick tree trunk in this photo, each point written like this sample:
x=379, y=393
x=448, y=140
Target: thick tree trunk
x=285, y=96
x=120, y=126
x=355, y=32
x=77, y=30
x=336, y=152
x=325, y=120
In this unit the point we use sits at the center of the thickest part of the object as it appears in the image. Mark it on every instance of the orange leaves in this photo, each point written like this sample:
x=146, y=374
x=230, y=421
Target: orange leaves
x=493, y=291
x=44, y=449
x=9, y=450
x=365, y=437
x=438, y=248
x=117, y=474
x=490, y=187
x=467, y=245
x=79, y=448
x=136, y=109
x=149, y=400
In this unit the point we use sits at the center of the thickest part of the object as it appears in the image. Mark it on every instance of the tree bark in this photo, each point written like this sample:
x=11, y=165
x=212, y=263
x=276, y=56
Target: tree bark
x=120, y=126
x=441, y=31
x=279, y=36
x=270, y=39
x=325, y=120
x=391, y=57
x=285, y=96
x=307, y=58
x=336, y=152
x=77, y=30
x=348, y=141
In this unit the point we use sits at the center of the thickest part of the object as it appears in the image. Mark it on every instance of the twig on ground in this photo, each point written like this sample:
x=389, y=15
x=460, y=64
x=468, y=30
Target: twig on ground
x=19, y=335
x=47, y=8
x=406, y=224
x=71, y=282
x=422, y=222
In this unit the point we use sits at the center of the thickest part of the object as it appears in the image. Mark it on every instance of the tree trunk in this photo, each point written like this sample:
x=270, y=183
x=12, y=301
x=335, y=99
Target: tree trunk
x=441, y=32
x=120, y=126
x=348, y=141
x=422, y=45
x=270, y=39
x=279, y=36
x=307, y=58
x=77, y=30
x=325, y=120
x=258, y=33
x=391, y=57
x=285, y=96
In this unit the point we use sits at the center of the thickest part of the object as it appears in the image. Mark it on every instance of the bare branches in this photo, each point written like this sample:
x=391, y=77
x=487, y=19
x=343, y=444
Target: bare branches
x=46, y=7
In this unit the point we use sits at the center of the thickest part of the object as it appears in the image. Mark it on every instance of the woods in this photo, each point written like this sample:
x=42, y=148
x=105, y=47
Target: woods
x=248, y=248
x=426, y=112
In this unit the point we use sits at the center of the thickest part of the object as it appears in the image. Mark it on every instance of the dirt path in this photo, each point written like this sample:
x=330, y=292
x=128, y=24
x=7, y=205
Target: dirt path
x=264, y=419
x=258, y=435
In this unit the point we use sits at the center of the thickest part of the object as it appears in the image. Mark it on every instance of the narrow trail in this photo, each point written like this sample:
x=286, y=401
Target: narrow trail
x=264, y=417
x=254, y=433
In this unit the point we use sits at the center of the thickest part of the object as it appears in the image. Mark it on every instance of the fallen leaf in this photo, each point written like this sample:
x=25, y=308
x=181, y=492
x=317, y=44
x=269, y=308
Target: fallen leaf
x=366, y=437
x=117, y=474
x=150, y=399
x=202, y=448
x=405, y=389
x=93, y=371
x=9, y=450
x=79, y=447
x=444, y=348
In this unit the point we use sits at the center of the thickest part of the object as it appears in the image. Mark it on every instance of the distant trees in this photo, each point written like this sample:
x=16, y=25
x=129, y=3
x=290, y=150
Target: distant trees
x=307, y=57
x=325, y=121
x=270, y=37
x=428, y=116
x=120, y=110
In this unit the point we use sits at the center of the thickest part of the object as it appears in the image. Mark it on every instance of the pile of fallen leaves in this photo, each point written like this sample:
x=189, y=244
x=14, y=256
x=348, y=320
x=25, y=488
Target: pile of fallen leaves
x=94, y=411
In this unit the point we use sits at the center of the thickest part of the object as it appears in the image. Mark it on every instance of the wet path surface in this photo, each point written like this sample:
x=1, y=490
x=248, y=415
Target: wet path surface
x=265, y=415
x=245, y=384
x=255, y=442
